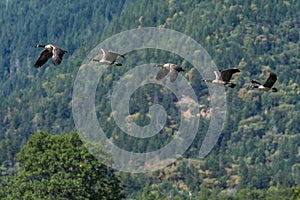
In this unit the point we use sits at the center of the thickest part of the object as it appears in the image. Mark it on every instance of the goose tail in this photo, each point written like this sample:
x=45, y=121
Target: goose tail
x=231, y=85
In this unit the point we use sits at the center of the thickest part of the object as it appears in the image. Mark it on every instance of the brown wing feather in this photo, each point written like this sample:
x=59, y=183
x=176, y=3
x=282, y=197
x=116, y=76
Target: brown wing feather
x=57, y=55
x=44, y=56
x=173, y=75
x=162, y=73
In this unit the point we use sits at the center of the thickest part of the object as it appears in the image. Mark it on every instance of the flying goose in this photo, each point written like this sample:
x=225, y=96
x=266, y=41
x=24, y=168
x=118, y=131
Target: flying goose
x=223, y=77
x=268, y=85
x=166, y=68
x=50, y=51
x=109, y=58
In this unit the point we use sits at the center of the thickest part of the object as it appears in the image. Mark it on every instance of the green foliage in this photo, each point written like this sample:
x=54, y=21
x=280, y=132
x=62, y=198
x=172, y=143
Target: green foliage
x=296, y=193
x=60, y=167
x=40, y=99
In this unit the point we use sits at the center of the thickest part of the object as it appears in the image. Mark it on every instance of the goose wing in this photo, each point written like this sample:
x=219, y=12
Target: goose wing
x=227, y=74
x=57, y=55
x=270, y=81
x=116, y=54
x=162, y=73
x=173, y=75
x=175, y=69
x=110, y=56
x=255, y=82
x=44, y=57
x=217, y=74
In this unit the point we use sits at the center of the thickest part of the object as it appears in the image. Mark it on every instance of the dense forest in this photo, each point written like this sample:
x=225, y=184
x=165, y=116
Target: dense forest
x=257, y=155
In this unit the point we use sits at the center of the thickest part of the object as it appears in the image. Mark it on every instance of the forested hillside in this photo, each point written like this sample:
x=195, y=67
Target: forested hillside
x=257, y=155
x=40, y=99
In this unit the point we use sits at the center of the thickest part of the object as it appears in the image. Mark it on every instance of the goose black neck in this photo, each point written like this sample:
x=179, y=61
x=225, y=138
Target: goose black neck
x=39, y=45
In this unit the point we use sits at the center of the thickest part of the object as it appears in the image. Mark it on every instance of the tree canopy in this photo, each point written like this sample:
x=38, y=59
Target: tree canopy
x=60, y=167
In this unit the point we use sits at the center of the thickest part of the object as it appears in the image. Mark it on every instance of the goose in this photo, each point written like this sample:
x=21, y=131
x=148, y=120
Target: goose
x=268, y=85
x=109, y=58
x=166, y=68
x=223, y=77
x=50, y=51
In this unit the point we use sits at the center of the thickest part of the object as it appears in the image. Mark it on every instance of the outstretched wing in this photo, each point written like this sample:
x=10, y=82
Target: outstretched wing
x=44, y=56
x=270, y=81
x=110, y=56
x=162, y=73
x=57, y=55
x=173, y=75
x=217, y=75
x=255, y=82
x=227, y=74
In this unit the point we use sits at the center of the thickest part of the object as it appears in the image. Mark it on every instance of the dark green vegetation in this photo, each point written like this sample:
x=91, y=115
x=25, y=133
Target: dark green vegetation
x=258, y=154
x=60, y=167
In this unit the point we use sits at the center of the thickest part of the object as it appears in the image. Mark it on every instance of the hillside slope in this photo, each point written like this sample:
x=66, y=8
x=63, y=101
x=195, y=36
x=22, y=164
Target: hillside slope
x=258, y=147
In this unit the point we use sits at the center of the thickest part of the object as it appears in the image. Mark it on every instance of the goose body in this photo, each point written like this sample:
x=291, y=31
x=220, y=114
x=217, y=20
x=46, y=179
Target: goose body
x=268, y=85
x=166, y=69
x=50, y=51
x=109, y=58
x=223, y=77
